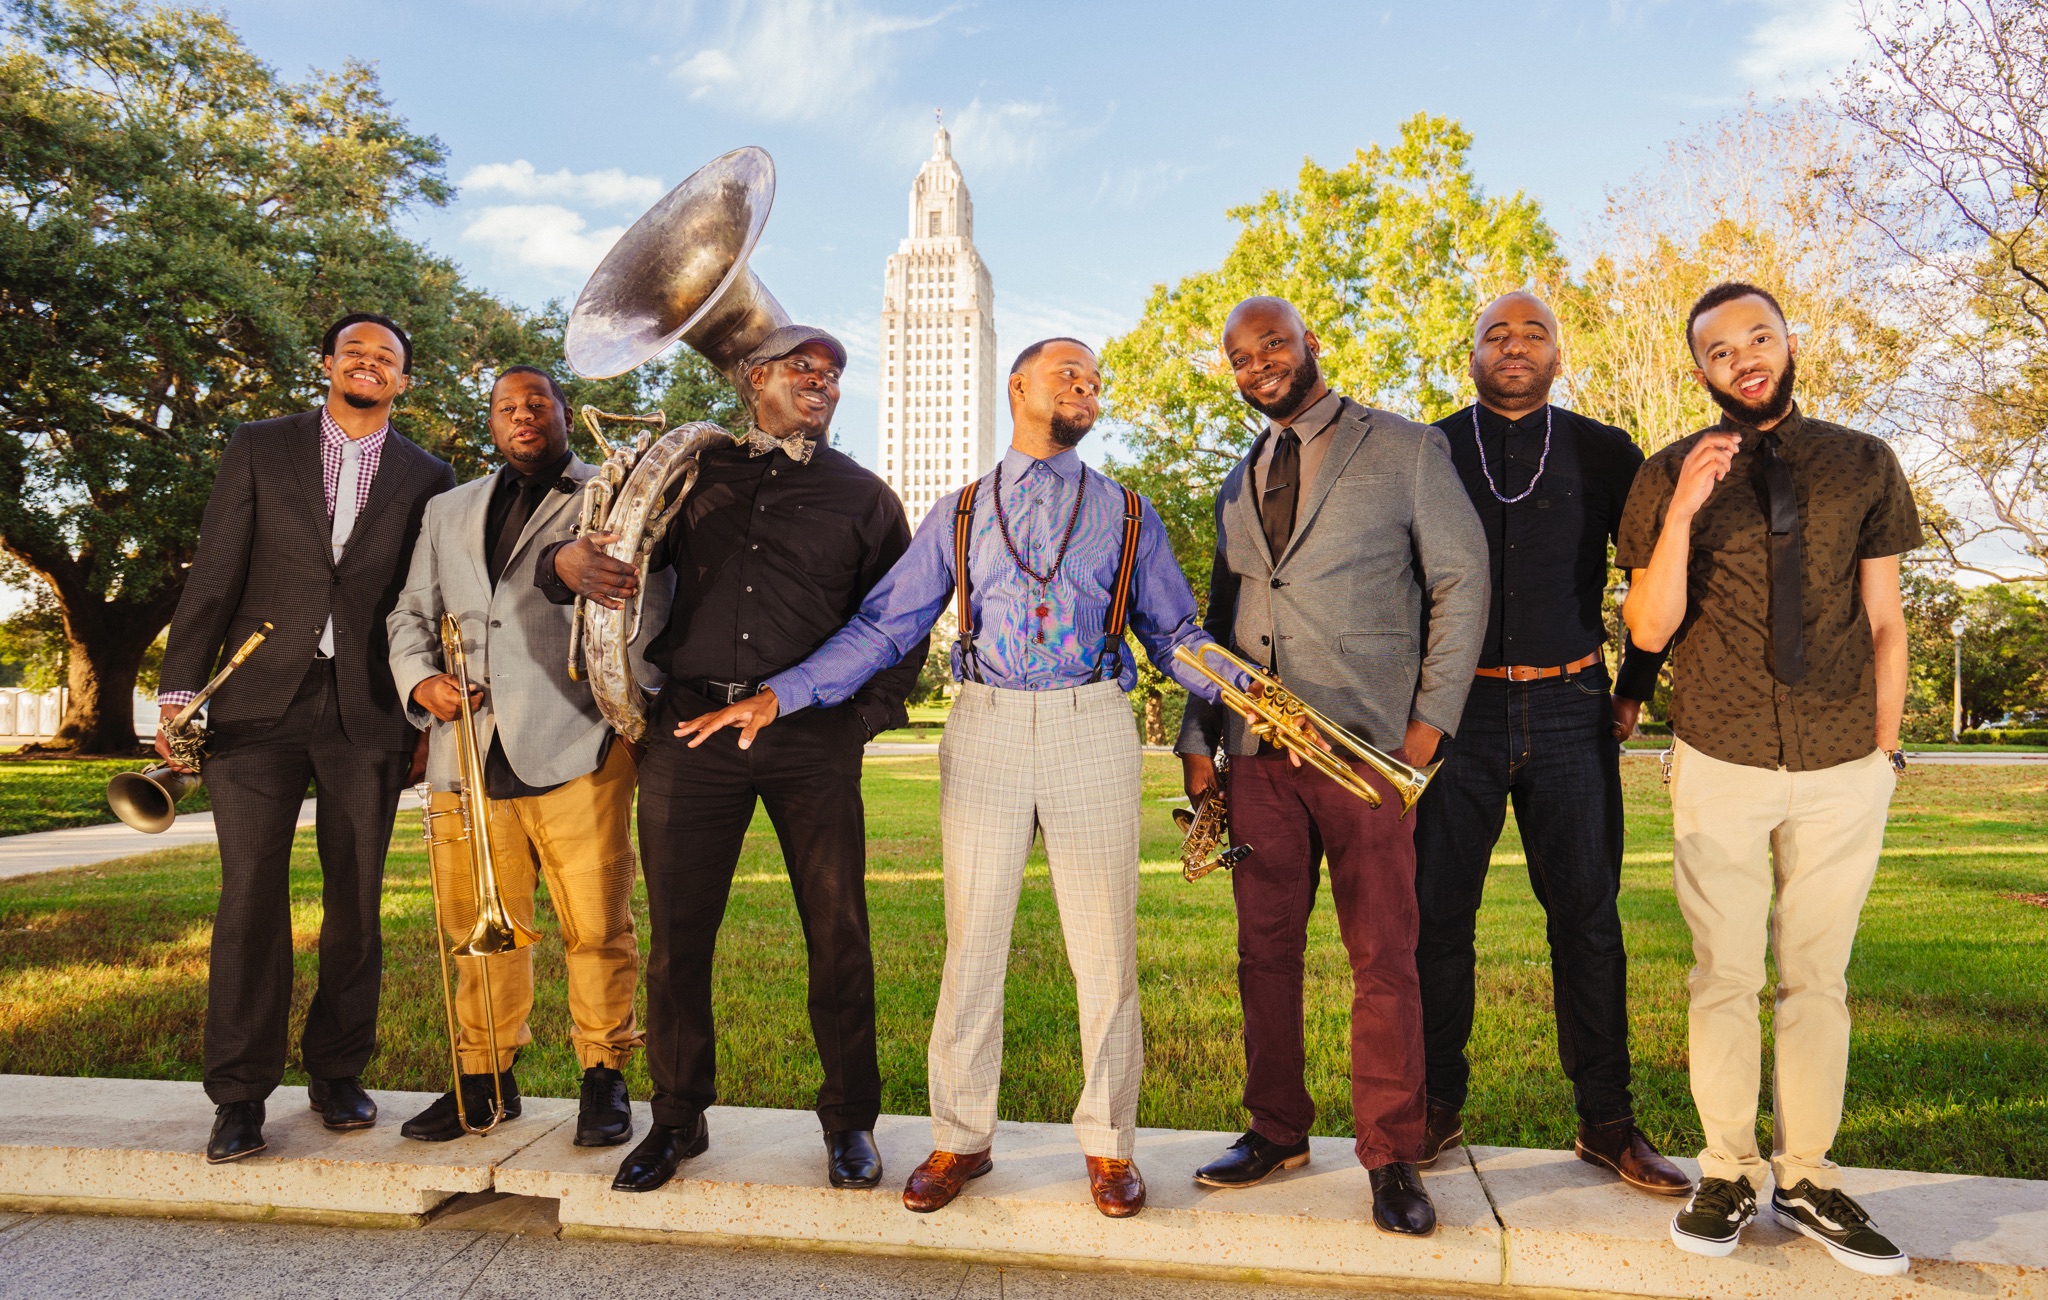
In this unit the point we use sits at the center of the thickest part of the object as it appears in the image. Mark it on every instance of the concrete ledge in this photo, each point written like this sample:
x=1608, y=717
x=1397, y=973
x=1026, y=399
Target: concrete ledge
x=764, y=1178
x=1526, y=1223
x=126, y=1146
x=1569, y=1225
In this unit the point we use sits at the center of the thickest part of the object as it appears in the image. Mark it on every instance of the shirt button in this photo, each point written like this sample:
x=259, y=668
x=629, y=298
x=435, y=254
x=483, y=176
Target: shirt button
x=773, y=472
x=754, y=547
x=750, y=589
x=743, y=636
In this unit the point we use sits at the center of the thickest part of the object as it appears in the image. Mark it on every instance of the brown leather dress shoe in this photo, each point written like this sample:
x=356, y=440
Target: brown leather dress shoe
x=1620, y=1146
x=935, y=1183
x=1445, y=1129
x=1118, y=1187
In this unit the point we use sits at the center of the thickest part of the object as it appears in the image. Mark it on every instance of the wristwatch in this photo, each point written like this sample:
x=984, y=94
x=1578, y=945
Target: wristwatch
x=1898, y=758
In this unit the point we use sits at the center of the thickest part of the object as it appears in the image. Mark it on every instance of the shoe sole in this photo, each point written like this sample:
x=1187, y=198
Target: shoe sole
x=332, y=1127
x=239, y=1155
x=1595, y=1158
x=986, y=1167
x=1692, y=1245
x=1889, y=1267
x=620, y=1140
x=1291, y=1162
x=1456, y=1139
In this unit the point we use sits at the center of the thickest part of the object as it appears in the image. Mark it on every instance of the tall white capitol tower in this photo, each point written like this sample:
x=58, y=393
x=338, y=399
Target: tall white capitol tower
x=938, y=417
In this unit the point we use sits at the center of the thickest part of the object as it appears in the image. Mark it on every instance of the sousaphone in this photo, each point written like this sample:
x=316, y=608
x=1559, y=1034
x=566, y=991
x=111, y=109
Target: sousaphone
x=680, y=273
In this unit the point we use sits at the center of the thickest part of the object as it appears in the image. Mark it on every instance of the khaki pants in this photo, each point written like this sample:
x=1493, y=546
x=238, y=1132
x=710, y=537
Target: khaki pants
x=1745, y=834
x=580, y=836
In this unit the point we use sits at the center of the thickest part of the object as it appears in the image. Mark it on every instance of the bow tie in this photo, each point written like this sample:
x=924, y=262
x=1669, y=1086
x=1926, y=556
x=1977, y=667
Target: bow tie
x=797, y=447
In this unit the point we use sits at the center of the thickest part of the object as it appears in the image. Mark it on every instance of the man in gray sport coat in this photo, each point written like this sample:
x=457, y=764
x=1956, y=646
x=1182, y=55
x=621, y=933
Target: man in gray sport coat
x=559, y=782
x=1349, y=562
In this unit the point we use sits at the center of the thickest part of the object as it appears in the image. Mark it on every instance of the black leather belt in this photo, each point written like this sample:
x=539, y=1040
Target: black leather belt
x=722, y=692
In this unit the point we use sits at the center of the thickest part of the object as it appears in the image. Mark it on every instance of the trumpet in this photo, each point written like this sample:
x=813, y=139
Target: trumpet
x=1276, y=715
x=148, y=800
x=1202, y=829
x=495, y=930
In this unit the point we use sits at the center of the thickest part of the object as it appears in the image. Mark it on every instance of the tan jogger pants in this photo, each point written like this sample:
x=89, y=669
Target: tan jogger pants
x=580, y=836
x=1786, y=856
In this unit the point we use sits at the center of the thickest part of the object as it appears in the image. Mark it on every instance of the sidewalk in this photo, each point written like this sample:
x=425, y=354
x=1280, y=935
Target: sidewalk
x=85, y=846
x=1535, y=1222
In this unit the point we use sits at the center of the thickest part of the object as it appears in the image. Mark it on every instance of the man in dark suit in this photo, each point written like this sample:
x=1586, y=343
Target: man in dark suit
x=331, y=493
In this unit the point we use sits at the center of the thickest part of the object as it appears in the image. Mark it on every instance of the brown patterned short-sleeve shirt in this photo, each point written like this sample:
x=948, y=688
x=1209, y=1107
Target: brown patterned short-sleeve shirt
x=1854, y=504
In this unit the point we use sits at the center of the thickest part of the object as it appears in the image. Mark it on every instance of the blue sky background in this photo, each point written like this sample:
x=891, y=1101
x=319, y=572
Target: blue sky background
x=1102, y=143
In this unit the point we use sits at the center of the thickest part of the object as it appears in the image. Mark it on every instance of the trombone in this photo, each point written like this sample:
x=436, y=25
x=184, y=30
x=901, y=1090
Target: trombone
x=1276, y=715
x=495, y=930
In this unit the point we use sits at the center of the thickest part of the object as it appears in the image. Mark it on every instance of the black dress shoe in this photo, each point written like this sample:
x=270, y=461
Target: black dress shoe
x=851, y=1159
x=604, y=1113
x=1399, y=1205
x=439, y=1122
x=654, y=1161
x=1443, y=1129
x=237, y=1132
x=342, y=1103
x=1250, y=1160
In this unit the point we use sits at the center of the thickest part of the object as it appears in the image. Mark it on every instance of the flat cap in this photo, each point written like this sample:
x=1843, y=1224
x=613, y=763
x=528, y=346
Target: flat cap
x=787, y=339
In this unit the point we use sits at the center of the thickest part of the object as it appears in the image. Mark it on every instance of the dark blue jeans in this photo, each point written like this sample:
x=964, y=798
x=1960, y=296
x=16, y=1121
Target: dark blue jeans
x=1548, y=747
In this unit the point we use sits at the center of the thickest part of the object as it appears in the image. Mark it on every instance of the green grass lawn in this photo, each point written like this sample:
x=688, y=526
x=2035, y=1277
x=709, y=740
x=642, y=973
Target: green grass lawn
x=46, y=794
x=102, y=971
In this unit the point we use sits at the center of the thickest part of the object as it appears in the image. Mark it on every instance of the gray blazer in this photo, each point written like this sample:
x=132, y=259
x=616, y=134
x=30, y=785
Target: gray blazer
x=1375, y=611
x=517, y=642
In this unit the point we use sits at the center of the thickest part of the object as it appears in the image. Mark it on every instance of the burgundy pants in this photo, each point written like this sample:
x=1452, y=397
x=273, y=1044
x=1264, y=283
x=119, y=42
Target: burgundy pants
x=1294, y=818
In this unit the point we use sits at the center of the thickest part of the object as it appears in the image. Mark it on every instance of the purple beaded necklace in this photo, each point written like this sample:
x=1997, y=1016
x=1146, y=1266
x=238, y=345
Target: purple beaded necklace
x=1044, y=580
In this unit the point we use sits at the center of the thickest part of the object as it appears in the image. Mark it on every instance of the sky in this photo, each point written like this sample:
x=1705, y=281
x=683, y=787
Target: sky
x=1103, y=144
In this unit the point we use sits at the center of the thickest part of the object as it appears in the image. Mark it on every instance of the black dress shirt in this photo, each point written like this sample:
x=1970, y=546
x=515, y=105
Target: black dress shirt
x=771, y=558
x=1549, y=550
x=514, y=497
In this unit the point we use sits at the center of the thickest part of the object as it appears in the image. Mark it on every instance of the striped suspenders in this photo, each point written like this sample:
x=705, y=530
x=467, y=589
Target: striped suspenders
x=1114, y=622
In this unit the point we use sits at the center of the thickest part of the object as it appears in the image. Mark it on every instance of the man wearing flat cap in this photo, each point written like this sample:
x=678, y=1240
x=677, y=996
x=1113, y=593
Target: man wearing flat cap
x=780, y=540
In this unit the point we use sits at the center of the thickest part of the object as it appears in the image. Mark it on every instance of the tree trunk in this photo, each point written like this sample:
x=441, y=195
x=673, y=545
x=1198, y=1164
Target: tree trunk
x=1155, y=718
x=100, y=715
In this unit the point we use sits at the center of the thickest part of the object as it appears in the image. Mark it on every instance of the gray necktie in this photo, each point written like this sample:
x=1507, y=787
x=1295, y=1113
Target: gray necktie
x=344, y=521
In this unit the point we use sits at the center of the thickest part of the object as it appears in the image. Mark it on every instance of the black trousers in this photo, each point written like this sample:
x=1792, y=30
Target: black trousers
x=258, y=782
x=1547, y=747
x=695, y=806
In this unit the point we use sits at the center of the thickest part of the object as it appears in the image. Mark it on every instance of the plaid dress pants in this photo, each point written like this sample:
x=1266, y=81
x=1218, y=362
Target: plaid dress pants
x=1014, y=763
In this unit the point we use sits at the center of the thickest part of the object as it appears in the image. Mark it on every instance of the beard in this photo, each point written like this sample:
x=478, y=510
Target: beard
x=358, y=401
x=1770, y=410
x=1304, y=378
x=1510, y=392
x=1068, y=432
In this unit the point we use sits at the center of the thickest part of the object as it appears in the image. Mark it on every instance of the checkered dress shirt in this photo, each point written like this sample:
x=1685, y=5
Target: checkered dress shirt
x=332, y=439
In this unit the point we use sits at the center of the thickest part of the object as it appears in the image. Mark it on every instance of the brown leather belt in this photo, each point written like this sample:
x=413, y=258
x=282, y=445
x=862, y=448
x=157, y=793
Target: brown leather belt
x=1524, y=673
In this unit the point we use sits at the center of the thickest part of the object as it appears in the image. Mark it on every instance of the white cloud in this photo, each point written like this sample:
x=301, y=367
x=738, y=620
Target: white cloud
x=796, y=60
x=1802, y=43
x=543, y=236
x=610, y=188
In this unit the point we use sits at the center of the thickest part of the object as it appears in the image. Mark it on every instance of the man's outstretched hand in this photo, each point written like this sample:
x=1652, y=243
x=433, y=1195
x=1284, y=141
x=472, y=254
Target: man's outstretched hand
x=749, y=715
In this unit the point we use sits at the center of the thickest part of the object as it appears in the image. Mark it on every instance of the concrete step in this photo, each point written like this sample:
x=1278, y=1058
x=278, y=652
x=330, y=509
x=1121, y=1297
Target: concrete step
x=136, y=1146
x=1533, y=1222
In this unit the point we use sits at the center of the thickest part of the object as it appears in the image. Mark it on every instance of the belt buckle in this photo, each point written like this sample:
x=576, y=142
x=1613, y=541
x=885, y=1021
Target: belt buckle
x=1523, y=673
x=737, y=691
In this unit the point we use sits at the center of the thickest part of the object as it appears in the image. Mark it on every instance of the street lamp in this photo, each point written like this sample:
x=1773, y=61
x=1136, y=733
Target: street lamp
x=1955, y=729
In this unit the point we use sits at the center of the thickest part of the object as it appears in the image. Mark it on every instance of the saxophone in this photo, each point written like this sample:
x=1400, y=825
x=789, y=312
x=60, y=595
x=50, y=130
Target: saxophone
x=1202, y=829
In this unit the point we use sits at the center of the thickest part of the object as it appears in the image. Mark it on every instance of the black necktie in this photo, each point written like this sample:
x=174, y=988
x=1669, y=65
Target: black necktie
x=524, y=498
x=1283, y=489
x=1788, y=606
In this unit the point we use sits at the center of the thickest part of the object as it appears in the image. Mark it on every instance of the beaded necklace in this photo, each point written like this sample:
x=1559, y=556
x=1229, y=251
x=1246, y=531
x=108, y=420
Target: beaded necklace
x=1044, y=609
x=1541, y=462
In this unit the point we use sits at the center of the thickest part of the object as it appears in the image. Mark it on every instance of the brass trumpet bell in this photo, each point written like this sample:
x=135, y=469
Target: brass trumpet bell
x=1276, y=715
x=148, y=800
x=681, y=272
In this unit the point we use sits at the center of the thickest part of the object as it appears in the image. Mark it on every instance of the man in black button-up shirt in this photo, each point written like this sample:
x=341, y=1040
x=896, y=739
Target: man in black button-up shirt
x=779, y=542
x=1541, y=728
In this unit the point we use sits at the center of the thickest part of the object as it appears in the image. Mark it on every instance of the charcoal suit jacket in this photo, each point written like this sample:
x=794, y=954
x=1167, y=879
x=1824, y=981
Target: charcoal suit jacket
x=265, y=555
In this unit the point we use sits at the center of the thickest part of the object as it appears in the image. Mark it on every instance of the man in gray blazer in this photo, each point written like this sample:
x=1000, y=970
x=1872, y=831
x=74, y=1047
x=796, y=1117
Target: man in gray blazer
x=558, y=781
x=1349, y=562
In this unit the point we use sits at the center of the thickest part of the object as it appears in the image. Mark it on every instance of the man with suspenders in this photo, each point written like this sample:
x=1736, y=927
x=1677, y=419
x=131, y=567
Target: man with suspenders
x=1050, y=561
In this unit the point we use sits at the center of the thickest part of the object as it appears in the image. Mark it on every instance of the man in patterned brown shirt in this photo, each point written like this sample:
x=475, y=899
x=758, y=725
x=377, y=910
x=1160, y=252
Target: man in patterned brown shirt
x=1767, y=547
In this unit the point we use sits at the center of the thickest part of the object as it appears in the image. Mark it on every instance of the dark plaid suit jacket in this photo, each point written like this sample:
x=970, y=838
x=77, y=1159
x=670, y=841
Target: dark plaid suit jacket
x=265, y=554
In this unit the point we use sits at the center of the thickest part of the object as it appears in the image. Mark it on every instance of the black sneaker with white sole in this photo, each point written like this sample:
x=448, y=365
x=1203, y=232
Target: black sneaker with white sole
x=1714, y=1216
x=1827, y=1215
